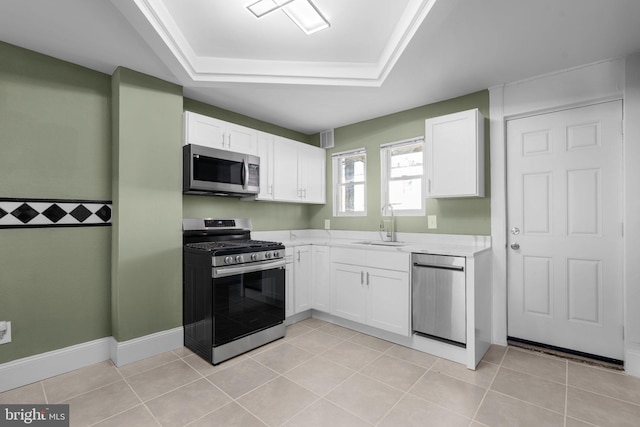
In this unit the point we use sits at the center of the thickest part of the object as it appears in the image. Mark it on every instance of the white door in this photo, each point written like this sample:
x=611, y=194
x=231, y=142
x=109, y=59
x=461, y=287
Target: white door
x=564, y=191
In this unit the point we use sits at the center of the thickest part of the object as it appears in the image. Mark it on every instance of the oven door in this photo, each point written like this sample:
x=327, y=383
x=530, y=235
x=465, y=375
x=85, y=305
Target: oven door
x=247, y=300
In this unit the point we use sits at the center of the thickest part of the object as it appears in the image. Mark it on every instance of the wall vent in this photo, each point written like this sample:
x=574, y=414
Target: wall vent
x=326, y=139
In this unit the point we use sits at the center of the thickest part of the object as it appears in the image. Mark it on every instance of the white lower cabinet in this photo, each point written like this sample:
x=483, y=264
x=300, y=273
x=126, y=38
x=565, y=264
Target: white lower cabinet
x=302, y=277
x=321, y=281
x=376, y=297
x=289, y=309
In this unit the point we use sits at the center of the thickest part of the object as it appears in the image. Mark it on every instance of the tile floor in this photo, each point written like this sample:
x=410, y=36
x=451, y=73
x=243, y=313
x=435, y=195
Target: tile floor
x=321, y=374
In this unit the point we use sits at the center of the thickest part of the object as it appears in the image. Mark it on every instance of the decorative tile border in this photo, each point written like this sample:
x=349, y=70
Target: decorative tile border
x=30, y=213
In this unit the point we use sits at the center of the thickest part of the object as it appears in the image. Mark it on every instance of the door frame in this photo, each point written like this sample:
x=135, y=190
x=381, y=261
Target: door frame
x=581, y=86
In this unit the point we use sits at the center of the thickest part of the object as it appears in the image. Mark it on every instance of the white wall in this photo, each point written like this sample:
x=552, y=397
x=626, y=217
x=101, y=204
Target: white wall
x=608, y=80
x=632, y=212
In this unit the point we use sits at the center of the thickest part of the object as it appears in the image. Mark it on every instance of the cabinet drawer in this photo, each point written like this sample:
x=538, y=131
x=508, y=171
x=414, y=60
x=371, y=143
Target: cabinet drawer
x=348, y=256
x=388, y=260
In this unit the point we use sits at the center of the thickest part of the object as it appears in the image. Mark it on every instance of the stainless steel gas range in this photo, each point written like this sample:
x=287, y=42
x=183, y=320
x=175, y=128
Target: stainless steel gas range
x=233, y=288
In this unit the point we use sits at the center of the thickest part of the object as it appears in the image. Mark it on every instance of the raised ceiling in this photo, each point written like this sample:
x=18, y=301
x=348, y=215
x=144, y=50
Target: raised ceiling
x=378, y=57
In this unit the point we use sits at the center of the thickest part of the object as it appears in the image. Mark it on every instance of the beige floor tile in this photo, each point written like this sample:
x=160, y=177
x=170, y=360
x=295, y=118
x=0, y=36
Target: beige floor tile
x=495, y=354
x=138, y=417
x=351, y=355
x=394, y=372
x=535, y=390
x=414, y=412
x=205, y=368
x=183, y=352
x=365, y=397
x=187, y=403
x=337, y=331
x=147, y=364
x=277, y=401
x=315, y=342
x=105, y=402
x=296, y=330
x=154, y=382
x=32, y=393
x=242, y=377
x=498, y=410
x=262, y=349
x=80, y=381
x=412, y=356
x=312, y=323
x=231, y=415
x=571, y=422
x=283, y=357
x=609, y=383
x=482, y=376
x=324, y=413
x=450, y=393
x=371, y=342
x=319, y=375
x=547, y=367
x=601, y=410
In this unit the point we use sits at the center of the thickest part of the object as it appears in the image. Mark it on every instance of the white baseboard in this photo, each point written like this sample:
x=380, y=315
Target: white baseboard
x=632, y=360
x=21, y=372
x=136, y=349
x=31, y=369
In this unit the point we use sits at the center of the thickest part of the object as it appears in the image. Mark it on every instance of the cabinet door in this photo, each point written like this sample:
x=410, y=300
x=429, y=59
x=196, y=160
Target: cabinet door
x=203, y=130
x=285, y=173
x=289, y=296
x=349, y=292
x=302, y=278
x=241, y=139
x=311, y=173
x=321, y=276
x=265, y=152
x=388, y=300
x=455, y=155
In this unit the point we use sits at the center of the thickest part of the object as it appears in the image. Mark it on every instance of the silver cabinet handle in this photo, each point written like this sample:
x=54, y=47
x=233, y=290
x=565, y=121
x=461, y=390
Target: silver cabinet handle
x=298, y=255
x=367, y=278
x=515, y=246
x=362, y=277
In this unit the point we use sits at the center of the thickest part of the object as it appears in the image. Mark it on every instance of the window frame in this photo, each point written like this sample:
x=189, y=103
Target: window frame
x=385, y=177
x=336, y=158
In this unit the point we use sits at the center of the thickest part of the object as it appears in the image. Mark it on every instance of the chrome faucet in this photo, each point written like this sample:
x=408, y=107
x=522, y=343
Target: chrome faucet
x=390, y=230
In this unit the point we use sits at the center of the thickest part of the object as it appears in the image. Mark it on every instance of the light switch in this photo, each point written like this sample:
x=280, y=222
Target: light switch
x=432, y=221
x=327, y=224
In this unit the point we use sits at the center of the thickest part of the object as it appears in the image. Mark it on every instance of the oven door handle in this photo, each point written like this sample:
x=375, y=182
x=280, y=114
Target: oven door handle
x=231, y=271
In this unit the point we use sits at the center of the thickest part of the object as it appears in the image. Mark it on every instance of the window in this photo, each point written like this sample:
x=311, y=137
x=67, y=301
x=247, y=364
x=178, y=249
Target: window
x=350, y=183
x=402, y=174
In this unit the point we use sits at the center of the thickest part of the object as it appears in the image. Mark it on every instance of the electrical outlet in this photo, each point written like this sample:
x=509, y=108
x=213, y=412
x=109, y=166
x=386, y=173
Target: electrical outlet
x=432, y=221
x=327, y=224
x=5, y=332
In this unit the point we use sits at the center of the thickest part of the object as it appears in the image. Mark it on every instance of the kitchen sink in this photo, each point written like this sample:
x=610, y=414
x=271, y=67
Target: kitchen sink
x=380, y=243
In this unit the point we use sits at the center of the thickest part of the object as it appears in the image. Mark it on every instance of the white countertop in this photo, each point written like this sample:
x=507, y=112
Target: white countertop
x=441, y=244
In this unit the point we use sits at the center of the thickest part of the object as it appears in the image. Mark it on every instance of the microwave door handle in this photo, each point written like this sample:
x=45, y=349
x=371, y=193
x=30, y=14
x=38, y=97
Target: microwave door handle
x=245, y=172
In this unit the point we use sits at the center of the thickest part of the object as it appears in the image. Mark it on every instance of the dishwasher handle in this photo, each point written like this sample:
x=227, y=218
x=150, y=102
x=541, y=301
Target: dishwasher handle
x=440, y=266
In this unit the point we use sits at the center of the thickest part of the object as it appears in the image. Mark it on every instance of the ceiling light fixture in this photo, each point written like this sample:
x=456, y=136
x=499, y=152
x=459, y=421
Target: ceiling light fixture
x=302, y=12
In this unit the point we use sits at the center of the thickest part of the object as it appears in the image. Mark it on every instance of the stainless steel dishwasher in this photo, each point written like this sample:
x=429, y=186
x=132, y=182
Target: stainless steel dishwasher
x=439, y=296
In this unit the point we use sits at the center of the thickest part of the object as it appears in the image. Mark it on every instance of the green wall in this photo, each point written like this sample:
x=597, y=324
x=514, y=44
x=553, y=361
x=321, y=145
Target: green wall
x=55, y=143
x=454, y=216
x=264, y=215
x=147, y=238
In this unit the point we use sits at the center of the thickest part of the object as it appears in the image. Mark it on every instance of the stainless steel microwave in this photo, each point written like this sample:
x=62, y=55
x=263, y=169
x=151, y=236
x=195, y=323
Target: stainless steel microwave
x=212, y=171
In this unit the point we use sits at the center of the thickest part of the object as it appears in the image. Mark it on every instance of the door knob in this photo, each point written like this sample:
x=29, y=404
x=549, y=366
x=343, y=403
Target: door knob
x=515, y=246
x=515, y=231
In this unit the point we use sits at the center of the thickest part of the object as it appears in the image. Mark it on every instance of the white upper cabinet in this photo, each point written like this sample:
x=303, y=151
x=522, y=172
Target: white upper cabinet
x=455, y=155
x=266, y=153
x=210, y=132
x=299, y=172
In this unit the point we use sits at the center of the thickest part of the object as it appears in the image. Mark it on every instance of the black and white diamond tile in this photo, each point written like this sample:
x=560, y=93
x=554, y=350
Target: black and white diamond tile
x=16, y=213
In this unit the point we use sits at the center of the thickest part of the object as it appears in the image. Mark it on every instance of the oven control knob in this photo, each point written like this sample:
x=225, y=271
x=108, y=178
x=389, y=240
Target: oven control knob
x=276, y=254
x=239, y=258
x=267, y=255
x=254, y=257
x=228, y=260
